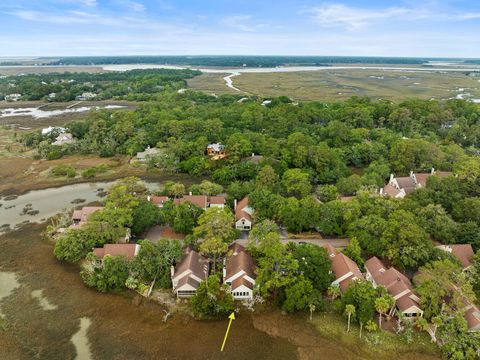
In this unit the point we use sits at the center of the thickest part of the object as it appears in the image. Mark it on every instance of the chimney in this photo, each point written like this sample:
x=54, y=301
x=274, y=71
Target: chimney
x=190, y=193
x=381, y=191
x=391, y=178
x=172, y=271
x=224, y=273
x=253, y=155
x=411, y=173
x=433, y=171
x=148, y=198
x=235, y=204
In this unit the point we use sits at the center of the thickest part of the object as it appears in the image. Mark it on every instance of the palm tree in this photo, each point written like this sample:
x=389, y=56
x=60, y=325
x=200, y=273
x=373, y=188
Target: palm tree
x=311, y=307
x=349, y=311
x=382, y=305
x=333, y=291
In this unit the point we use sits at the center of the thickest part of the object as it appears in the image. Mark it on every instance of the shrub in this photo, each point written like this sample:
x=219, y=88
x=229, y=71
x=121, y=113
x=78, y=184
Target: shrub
x=89, y=173
x=63, y=170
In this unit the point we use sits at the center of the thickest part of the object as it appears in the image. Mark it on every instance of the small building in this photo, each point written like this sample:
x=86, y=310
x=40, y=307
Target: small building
x=345, y=269
x=158, y=200
x=149, y=152
x=243, y=215
x=13, y=97
x=81, y=216
x=463, y=252
x=64, y=138
x=216, y=149
x=52, y=96
x=216, y=201
x=189, y=273
x=472, y=316
x=50, y=129
x=397, y=285
x=129, y=251
x=86, y=96
x=239, y=272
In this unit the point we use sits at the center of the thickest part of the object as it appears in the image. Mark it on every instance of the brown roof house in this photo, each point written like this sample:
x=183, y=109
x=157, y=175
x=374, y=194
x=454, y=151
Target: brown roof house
x=463, y=252
x=198, y=200
x=81, y=216
x=472, y=315
x=189, y=273
x=127, y=250
x=397, y=285
x=158, y=200
x=239, y=272
x=243, y=215
x=344, y=268
x=216, y=201
x=399, y=187
x=216, y=151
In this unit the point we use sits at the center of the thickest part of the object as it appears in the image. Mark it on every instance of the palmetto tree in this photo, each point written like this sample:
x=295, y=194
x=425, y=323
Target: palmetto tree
x=382, y=305
x=349, y=311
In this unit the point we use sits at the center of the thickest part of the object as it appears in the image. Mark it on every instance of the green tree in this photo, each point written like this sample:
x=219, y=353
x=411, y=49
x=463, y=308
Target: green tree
x=296, y=182
x=383, y=304
x=145, y=215
x=349, y=312
x=349, y=185
x=216, y=223
x=298, y=295
x=314, y=264
x=212, y=300
x=266, y=179
x=354, y=252
x=111, y=276
x=214, y=248
x=326, y=193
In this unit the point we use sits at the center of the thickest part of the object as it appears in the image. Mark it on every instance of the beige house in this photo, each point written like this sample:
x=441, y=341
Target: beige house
x=129, y=251
x=397, y=285
x=243, y=215
x=239, y=272
x=81, y=216
x=463, y=252
x=189, y=273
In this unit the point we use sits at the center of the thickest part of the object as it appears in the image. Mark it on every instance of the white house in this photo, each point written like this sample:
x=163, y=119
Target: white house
x=239, y=272
x=243, y=215
x=13, y=97
x=86, y=96
x=143, y=156
x=189, y=273
x=64, y=138
x=397, y=285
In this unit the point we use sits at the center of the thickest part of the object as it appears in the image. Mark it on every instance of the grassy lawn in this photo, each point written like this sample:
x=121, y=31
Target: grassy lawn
x=384, y=344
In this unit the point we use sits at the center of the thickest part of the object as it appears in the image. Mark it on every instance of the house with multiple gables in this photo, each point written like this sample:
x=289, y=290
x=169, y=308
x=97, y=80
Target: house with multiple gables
x=189, y=273
x=344, y=268
x=397, y=285
x=463, y=252
x=399, y=187
x=202, y=201
x=243, y=215
x=216, y=150
x=239, y=272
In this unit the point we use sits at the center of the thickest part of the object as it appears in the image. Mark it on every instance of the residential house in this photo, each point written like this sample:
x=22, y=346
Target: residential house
x=64, y=138
x=13, y=97
x=463, y=252
x=216, y=201
x=149, y=152
x=399, y=187
x=189, y=273
x=129, y=251
x=344, y=268
x=397, y=285
x=81, y=216
x=472, y=316
x=86, y=96
x=158, y=200
x=198, y=200
x=243, y=215
x=156, y=233
x=239, y=272
x=202, y=201
x=216, y=149
x=48, y=130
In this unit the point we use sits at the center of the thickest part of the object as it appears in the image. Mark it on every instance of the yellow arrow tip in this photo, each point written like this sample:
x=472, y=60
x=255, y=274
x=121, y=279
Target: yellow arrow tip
x=232, y=316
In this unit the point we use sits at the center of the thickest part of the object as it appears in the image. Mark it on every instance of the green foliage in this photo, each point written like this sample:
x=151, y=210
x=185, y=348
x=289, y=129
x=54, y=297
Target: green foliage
x=145, y=215
x=111, y=276
x=64, y=170
x=361, y=294
x=216, y=223
x=315, y=265
x=354, y=252
x=212, y=300
x=296, y=182
x=298, y=296
x=327, y=193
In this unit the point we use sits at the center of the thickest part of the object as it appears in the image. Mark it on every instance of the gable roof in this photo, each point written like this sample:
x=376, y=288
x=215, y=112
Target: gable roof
x=84, y=213
x=391, y=190
x=159, y=200
x=238, y=262
x=194, y=262
x=463, y=252
x=240, y=212
x=406, y=183
x=472, y=315
x=127, y=250
x=198, y=200
x=341, y=266
x=241, y=281
x=217, y=200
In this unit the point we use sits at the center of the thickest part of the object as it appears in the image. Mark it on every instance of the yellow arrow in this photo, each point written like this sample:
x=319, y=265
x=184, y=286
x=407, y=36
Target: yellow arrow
x=231, y=317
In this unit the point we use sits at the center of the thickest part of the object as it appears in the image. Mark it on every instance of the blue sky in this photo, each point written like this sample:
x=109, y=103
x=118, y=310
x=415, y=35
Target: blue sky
x=435, y=28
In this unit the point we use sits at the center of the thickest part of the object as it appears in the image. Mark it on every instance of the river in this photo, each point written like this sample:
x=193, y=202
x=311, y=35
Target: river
x=48, y=313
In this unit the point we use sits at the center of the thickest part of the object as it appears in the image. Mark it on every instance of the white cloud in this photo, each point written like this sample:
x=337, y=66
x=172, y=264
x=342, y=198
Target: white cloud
x=241, y=23
x=353, y=18
x=137, y=7
x=90, y=3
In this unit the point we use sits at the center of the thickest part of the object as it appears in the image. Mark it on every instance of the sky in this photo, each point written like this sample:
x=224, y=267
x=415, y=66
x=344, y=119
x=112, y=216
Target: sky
x=421, y=28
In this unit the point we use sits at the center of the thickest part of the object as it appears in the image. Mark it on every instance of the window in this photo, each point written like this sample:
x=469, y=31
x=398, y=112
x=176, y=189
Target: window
x=186, y=292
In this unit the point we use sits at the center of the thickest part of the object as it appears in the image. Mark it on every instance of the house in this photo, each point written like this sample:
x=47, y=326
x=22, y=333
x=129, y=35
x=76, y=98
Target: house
x=189, y=273
x=64, y=138
x=344, y=268
x=127, y=250
x=463, y=252
x=198, y=200
x=48, y=130
x=216, y=201
x=52, y=96
x=239, y=272
x=472, y=316
x=156, y=233
x=86, y=96
x=81, y=216
x=243, y=215
x=158, y=200
x=216, y=149
x=397, y=285
x=143, y=156
x=399, y=187
x=13, y=97
x=256, y=159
